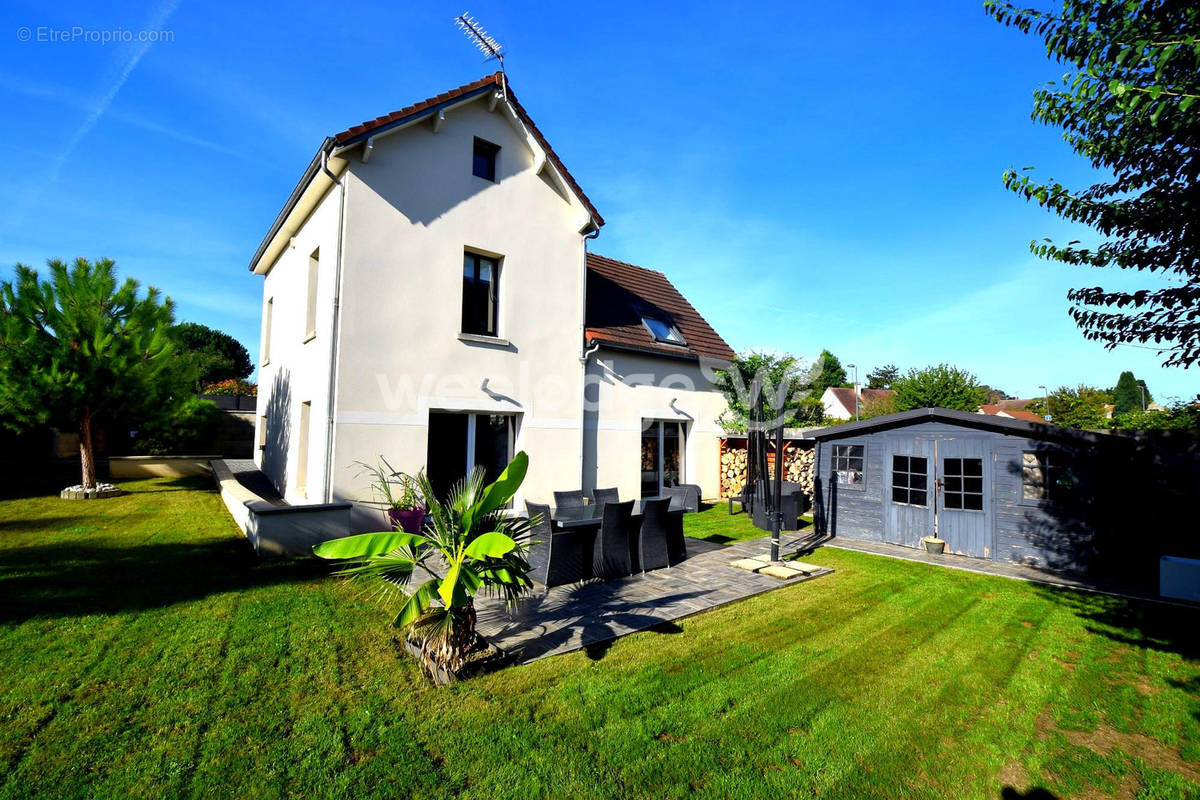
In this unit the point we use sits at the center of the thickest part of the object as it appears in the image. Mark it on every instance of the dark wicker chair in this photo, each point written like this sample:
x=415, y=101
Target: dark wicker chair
x=602, y=496
x=563, y=555
x=685, y=496
x=568, y=499
x=652, y=544
x=611, y=557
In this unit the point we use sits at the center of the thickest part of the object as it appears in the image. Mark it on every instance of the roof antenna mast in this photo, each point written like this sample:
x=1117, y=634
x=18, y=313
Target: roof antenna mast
x=486, y=43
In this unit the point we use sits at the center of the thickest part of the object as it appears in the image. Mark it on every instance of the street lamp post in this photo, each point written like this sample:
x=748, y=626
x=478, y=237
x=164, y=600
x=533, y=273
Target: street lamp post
x=1046, y=395
x=855, y=368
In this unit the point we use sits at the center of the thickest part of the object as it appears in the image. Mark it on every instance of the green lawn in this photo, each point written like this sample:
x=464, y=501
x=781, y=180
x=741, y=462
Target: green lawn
x=714, y=524
x=145, y=653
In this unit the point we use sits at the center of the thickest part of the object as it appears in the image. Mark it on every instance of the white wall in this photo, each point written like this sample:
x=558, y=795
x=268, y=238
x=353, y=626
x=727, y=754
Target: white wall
x=833, y=407
x=410, y=212
x=630, y=388
x=298, y=370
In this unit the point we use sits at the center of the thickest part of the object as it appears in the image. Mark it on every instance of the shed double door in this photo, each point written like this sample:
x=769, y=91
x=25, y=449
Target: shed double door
x=938, y=484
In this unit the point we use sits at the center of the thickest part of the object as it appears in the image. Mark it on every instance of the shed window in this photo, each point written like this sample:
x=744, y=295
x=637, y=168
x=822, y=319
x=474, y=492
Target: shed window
x=1045, y=476
x=910, y=480
x=848, y=463
x=484, y=163
x=963, y=483
x=481, y=292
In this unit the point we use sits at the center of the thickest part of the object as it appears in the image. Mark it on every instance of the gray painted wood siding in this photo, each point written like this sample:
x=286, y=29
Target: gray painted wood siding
x=1010, y=528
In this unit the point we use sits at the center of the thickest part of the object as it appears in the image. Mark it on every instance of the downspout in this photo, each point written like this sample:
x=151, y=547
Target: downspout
x=585, y=354
x=333, y=333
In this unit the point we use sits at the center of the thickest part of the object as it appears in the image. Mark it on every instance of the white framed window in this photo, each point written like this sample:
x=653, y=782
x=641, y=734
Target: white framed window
x=910, y=480
x=848, y=464
x=461, y=441
x=481, y=295
x=266, y=341
x=310, y=309
x=302, y=449
x=262, y=432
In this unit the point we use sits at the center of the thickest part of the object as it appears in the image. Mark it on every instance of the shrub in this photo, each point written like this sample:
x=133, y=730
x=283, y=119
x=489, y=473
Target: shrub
x=188, y=430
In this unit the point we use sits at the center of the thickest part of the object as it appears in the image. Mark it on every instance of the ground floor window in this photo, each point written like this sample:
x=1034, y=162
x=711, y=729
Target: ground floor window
x=459, y=442
x=661, y=455
x=963, y=484
x=910, y=476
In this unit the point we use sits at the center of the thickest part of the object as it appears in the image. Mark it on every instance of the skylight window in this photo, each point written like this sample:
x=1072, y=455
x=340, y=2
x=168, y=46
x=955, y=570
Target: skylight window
x=663, y=331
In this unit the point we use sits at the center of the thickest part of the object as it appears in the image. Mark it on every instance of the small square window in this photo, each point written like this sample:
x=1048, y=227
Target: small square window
x=848, y=463
x=1046, y=476
x=483, y=164
x=909, y=480
x=663, y=331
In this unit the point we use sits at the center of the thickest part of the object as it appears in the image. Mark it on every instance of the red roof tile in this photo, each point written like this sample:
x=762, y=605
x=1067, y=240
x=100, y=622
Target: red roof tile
x=845, y=395
x=496, y=79
x=618, y=294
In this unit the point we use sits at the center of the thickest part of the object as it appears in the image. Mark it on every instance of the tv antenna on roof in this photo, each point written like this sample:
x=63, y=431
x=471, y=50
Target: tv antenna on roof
x=486, y=43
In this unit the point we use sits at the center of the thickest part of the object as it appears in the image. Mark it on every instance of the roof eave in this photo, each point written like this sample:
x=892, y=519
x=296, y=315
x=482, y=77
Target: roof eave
x=964, y=418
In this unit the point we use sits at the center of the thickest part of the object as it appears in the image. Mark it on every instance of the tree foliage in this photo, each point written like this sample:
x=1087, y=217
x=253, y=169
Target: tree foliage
x=785, y=390
x=940, y=386
x=829, y=373
x=1083, y=407
x=1131, y=106
x=217, y=355
x=81, y=346
x=882, y=377
x=1128, y=395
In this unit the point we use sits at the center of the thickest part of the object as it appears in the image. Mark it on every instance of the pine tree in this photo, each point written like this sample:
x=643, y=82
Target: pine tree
x=1127, y=394
x=79, y=347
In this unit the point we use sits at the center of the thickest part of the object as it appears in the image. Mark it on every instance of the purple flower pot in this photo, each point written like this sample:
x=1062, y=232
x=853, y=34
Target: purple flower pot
x=408, y=519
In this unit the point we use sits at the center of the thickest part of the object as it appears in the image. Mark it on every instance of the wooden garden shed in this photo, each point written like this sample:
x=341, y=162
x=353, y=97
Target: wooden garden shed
x=991, y=487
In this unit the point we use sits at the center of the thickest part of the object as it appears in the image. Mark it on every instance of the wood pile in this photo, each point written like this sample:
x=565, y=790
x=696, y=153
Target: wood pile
x=798, y=468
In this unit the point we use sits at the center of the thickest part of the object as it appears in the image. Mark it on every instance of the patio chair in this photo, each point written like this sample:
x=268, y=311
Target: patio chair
x=561, y=554
x=611, y=557
x=745, y=498
x=568, y=499
x=602, y=496
x=792, y=502
x=685, y=496
x=652, y=544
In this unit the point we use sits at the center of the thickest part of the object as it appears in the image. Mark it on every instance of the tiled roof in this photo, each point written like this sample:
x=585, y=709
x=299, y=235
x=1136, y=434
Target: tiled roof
x=618, y=294
x=998, y=410
x=497, y=80
x=845, y=395
x=1015, y=404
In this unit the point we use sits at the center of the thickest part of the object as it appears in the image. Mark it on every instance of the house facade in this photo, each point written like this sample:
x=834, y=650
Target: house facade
x=841, y=402
x=429, y=296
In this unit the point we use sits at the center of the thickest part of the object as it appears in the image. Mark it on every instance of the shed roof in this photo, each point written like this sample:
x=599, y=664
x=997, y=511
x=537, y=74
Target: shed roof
x=965, y=419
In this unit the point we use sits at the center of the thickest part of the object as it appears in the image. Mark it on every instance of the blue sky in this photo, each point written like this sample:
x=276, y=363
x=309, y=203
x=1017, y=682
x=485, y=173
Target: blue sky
x=809, y=175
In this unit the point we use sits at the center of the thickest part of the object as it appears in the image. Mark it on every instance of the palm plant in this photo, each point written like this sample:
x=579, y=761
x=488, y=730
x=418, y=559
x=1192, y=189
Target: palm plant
x=468, y=544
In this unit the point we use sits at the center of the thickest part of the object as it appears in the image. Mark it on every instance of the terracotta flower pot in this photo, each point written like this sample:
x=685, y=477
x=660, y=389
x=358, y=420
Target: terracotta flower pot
x=408, y=519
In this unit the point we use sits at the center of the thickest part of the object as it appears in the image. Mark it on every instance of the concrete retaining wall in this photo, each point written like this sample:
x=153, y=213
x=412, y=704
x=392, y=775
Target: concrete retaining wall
x=280, y=530
x=134, y=467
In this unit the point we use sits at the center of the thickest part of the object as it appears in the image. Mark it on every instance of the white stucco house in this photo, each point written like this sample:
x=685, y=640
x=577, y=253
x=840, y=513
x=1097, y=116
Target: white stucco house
x=428, y=295
x=840, y=401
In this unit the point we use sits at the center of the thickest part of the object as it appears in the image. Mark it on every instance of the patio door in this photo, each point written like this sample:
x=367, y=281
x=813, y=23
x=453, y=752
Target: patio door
x=459, y=442
x=661, y=455
x=908, y=493
x=964, y=489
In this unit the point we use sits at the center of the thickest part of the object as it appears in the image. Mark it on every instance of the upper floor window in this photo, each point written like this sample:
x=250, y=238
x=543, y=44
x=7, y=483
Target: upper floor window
x=310, y=311
x=663, y=331
x=484, y=163
x=481, y=293
x=266, y=340
x=848, y=463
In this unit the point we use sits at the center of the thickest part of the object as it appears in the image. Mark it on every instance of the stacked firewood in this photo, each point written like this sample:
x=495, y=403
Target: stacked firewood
x=798, y=468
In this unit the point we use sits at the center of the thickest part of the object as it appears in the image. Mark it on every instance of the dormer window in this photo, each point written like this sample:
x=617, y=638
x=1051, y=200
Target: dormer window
x=662, y=330
x=484, y=164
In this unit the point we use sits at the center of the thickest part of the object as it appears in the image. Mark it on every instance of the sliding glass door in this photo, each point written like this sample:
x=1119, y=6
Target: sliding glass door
x=459, y=442
x=661, y=455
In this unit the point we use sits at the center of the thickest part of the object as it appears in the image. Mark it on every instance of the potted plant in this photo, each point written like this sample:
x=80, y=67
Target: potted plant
x=399, y=494
x=468, y=544
x=934, y=544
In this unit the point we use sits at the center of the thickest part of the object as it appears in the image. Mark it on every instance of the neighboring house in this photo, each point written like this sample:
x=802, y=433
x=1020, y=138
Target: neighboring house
x=996, y=410
x=839, y=401
x=1014, y=403
x=428, y=296
x=991, y=487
